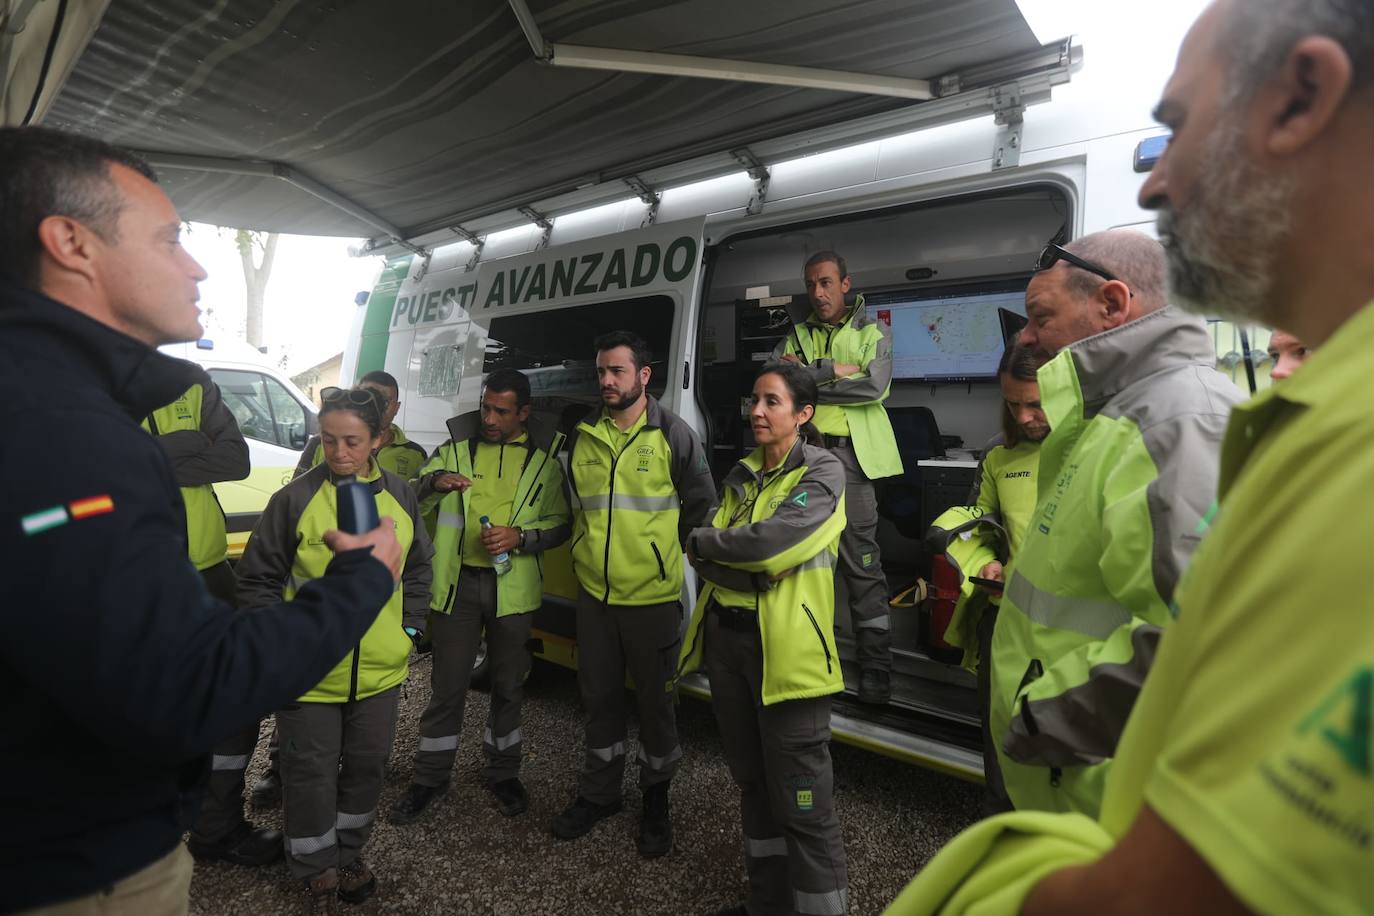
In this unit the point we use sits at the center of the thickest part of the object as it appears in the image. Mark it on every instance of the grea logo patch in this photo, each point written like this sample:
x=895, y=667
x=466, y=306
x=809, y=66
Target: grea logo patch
x=800, y=499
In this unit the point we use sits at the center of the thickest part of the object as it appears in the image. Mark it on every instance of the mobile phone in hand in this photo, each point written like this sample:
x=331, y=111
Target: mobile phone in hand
x=990, y=584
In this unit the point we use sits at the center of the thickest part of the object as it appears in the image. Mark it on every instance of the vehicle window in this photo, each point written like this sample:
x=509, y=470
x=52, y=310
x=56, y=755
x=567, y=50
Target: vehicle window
x=288, y=415
x=245, y=394
x=555, y=349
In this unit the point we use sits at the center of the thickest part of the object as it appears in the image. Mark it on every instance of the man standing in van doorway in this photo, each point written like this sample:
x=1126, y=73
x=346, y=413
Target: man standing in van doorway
x=849, y=355
x=640, y=483
x=397, y=454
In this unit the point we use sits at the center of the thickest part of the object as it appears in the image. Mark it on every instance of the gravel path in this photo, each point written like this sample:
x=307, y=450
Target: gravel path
x=466, y=858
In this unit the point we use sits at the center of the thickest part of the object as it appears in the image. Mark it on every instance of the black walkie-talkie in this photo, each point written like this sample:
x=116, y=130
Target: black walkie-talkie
x=357, y=507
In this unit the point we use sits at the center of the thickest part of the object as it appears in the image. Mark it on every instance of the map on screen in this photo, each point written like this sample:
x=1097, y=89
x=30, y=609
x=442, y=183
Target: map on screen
x=947, y=337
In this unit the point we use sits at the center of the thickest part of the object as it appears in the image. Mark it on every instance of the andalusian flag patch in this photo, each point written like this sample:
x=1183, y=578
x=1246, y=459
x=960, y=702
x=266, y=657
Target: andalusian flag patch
x=42, y=521
x=47, y=519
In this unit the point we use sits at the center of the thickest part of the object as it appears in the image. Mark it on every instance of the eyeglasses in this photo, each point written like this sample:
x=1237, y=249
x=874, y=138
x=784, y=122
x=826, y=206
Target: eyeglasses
x=1053, y=254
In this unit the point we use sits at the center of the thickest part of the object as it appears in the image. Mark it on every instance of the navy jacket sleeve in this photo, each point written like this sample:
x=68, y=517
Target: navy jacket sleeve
x=115, y=627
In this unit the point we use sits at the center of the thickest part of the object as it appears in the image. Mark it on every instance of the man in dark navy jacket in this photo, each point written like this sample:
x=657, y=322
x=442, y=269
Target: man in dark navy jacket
x=119, y=671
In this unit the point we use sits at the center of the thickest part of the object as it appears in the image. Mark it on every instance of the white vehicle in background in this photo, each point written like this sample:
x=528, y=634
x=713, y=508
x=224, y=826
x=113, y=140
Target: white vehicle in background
x=275, y=417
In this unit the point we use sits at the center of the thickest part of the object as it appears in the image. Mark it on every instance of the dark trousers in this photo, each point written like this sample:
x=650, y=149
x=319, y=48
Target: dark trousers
x=995, y=798
x=222, y=811
x=861, y=565
x=456, y=638
x=779, y=756
x=613, y=639
x=332, y=761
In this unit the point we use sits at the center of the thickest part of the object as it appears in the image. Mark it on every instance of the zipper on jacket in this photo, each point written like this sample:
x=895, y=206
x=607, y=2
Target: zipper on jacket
x=448, y=601
x=1033, y=672
x=353, y=677
x=662, y=573
x=819, y=635
x=610, y=515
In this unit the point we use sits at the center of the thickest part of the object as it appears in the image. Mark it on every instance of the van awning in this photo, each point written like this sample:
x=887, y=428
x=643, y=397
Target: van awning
x=424, y=120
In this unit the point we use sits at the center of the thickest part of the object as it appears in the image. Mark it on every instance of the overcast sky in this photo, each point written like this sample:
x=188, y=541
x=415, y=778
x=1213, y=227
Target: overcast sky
x=309, y=306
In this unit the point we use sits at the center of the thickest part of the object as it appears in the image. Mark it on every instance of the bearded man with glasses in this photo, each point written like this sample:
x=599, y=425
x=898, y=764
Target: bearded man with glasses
x=1128, y=473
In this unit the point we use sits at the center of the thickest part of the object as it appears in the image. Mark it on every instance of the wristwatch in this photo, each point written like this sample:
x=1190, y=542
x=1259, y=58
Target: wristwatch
x=521, y=532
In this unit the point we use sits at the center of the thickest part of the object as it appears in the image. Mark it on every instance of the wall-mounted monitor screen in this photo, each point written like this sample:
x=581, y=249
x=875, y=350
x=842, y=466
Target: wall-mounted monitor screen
x=947, y=337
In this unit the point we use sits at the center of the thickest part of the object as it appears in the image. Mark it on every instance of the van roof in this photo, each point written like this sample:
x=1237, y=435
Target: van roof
x=427, y=115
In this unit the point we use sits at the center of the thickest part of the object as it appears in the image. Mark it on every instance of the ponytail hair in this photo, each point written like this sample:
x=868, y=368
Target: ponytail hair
x=804, y=393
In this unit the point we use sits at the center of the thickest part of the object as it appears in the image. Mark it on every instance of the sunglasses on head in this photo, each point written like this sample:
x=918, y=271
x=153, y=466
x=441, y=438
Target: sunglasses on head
x=359, y=397
x=1053, y=254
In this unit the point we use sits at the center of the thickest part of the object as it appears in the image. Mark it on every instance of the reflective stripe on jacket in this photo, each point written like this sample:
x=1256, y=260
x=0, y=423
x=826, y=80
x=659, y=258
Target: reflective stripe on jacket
x=786, y=520
x=540, y=510
x=287, y=550
x=863, y=342
x=1126, y=476
x=631, y=509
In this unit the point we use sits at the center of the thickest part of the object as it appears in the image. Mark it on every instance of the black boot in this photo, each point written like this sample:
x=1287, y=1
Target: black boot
x=580, y=817
x=510, y=796
x=244, y=845
x=413, y=803
x=875, y=686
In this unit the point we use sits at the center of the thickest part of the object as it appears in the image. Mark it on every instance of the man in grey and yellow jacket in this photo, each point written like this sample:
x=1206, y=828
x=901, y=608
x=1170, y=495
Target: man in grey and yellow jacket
x=849, y=356
x=640, y=482
x=502, y=465
x=1126, y=478
x=203, y=442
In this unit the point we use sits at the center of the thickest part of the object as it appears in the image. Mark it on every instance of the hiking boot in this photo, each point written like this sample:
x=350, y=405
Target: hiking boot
x=413, y=803
x=244, y=845
x=875, y=686
x=655, y=827
x=356, y=882
x=320, y=895
x=580, y=817
x=510, y=796
x=267, y=790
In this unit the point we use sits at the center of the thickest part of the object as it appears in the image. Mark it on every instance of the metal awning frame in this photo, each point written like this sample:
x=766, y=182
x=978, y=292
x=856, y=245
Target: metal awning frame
x=1029, y=78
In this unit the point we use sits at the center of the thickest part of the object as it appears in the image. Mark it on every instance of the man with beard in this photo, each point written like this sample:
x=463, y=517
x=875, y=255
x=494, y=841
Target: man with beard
x=1243, y=782
x=640, y=483
x=1126, y=476
x=499, y=467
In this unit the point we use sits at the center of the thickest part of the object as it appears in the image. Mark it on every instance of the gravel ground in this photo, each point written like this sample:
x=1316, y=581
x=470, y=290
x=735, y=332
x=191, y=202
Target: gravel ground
x=467, y=858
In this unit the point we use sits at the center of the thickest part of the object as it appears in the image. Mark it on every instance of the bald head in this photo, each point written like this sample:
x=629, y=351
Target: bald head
x=1069, y=302
x=1133, y=256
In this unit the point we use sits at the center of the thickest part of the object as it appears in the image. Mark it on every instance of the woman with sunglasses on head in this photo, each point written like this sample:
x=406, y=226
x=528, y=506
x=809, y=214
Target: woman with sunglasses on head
x=763, y=629
x=335, y=739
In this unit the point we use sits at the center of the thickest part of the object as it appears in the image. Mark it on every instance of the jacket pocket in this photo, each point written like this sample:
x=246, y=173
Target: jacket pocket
x=825, y=646
x=448, y=599
x=662, y=571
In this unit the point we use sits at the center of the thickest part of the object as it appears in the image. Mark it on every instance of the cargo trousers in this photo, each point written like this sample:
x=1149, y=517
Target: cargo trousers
x=222, y=811
x=861, y=564
x=643, y=640
x=779, y=756
x=456, y=637
x=332, y=761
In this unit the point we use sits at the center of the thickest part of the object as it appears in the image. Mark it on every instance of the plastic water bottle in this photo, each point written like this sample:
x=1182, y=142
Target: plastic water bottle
x=500, y=562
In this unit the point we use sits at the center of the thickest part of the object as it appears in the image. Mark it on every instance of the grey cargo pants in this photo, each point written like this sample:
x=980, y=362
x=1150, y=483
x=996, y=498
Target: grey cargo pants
x=222, y=811
x=332, y=756
x=613, y=639
x=779, y=756
x=456, y=637
x=861, y=565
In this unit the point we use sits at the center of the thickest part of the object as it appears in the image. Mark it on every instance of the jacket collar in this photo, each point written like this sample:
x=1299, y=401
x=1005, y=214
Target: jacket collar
x=857, y=316
x=1108, y=363
x=750, y=467
x=542, y=435
x=136, y=376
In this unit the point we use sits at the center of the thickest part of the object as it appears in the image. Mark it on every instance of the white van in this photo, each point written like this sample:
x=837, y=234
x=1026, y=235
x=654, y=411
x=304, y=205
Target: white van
x=275, y=417
x=940, y=228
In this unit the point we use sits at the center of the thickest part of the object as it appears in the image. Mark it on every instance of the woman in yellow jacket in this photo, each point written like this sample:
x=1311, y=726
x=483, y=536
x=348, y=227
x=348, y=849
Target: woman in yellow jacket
x=335, y=739
x=763, y=629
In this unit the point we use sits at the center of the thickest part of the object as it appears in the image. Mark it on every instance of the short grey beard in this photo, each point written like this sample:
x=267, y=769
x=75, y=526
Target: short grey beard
x=1222, y=252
